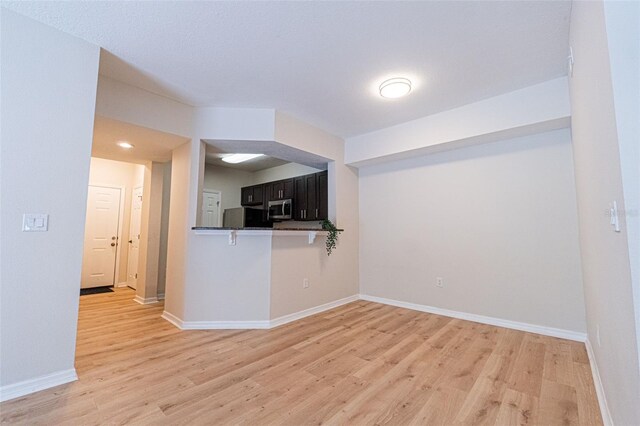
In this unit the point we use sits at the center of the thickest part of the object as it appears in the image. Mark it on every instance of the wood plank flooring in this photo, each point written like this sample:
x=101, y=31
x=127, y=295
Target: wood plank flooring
x=359, y=364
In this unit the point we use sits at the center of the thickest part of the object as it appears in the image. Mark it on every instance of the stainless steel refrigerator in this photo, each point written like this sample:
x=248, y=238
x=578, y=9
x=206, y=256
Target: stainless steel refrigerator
x=244, y=217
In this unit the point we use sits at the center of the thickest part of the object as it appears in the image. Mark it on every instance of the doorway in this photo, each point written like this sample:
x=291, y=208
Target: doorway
x=211, y=202
x=100, y=253
x=134, y=237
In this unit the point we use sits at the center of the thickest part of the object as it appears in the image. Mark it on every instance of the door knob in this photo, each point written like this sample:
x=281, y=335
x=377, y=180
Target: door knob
x=113, y=244
x=130, y=241
x=113, y=238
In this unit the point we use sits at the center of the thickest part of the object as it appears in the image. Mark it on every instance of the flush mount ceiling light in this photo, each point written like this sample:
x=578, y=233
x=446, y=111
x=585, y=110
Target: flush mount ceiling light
x=125, y=145
x=395, y=88
x=239, y=158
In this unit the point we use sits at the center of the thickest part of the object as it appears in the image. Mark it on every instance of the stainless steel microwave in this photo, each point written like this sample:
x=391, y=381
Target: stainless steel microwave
x=279, y=210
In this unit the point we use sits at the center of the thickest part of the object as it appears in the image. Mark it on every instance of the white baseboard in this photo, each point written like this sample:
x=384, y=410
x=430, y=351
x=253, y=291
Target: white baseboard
x=145, y=301
x=122, y=284
x=225, y=325
x=249, y=325
x=522, y=326
x=39, y=383
x=214, y=325
x=172, y=319
x=311, y=311
x=160, y=296
x=602, y=399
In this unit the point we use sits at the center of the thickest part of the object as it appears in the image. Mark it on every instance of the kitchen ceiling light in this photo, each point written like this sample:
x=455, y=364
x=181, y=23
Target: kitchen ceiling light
x=125, y=145
x=239, y=158
x=395, y=88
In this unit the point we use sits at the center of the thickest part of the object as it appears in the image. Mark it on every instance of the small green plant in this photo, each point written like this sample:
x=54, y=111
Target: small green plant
x=332, y=236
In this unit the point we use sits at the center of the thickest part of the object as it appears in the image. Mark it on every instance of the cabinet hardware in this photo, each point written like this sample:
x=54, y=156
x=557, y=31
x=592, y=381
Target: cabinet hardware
x=316, y=213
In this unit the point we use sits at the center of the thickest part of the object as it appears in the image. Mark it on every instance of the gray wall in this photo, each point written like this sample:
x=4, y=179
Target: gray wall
x=497, y=222
x=605, y=253
x=49, y=84
x=228, y=181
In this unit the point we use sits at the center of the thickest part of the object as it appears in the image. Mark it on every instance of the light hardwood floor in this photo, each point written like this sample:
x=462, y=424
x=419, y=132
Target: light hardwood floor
x=360, y=364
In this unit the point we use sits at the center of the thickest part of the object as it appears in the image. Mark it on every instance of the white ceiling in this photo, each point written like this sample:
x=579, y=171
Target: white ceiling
x=276, y=154
x=321, y=61
x=149, y=145
x=214, y=157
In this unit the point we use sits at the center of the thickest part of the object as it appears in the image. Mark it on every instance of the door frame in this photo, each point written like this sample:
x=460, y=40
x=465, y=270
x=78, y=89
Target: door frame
x=214, y=191
x=133, y=191
x=123, y=190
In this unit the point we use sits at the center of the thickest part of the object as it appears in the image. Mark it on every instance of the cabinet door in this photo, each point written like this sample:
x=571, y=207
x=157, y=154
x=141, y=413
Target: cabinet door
x=246, y=194
x=277, y=190
x=252, y=195
x=299, y=198
x=323, y=196
x=268, y=194
x=311, y=186
x=258, y=195
x=287, y=188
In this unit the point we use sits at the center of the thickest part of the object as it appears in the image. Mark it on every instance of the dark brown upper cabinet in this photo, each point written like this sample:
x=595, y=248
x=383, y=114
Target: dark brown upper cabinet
x=281, y=189
x=323, y=195
x=309, y=194
x=311, y=197
x=252, y=195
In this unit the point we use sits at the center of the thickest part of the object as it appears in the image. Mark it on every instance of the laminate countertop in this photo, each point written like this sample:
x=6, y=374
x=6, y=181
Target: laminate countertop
x=223, y=228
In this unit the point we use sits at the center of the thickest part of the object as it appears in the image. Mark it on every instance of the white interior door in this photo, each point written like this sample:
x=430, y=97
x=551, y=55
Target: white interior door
x=134, y=238
x=100, y=237
x=211, y=208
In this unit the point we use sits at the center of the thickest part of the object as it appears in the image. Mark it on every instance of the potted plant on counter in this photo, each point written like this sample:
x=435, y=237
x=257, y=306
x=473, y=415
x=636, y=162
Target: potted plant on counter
x=332, y=235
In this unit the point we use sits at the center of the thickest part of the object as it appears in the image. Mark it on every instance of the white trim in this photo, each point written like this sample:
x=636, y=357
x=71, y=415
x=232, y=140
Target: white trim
x=39, y=383
x=276, y=322
x=145, y=301
x=214, y=325
x=224, y=325
x=522, y=326
x=602, y=399
x=172, y=319
x=249, y=325
x=122, y=284
x=160, y=296
x=131, y=211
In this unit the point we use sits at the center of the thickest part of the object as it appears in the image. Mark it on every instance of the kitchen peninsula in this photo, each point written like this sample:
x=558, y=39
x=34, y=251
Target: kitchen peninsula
x=260, y=277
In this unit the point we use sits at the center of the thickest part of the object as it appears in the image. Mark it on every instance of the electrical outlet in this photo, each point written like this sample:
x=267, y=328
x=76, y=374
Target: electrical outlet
x=305, y=283
x=598, y=335
x=439, y=282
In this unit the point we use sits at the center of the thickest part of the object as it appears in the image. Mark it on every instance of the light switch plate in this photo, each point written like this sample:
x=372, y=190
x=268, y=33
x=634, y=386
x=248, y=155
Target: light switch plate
x=35, y=222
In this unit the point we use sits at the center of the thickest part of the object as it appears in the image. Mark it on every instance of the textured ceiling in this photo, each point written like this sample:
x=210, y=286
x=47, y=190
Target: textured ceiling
x=321, y=61
x=273, y=150
x=149, y=145
x=214, y=156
